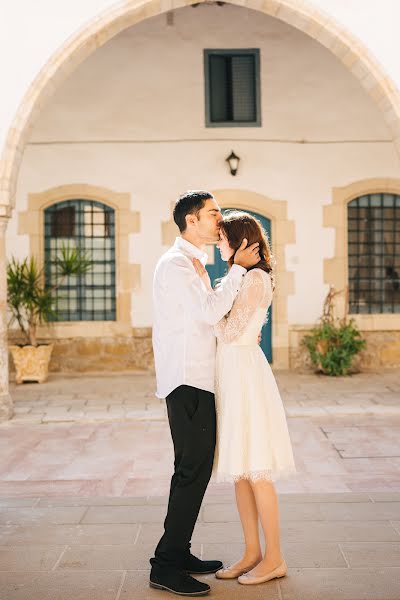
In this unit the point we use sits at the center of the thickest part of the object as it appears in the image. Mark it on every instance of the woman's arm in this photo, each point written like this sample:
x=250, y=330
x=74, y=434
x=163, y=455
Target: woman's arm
x=256, y=292
x=204, y=305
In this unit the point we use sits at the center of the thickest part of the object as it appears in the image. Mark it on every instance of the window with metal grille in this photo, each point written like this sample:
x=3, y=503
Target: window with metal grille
x=232, y=88
x=89, y=226
x=374, y=253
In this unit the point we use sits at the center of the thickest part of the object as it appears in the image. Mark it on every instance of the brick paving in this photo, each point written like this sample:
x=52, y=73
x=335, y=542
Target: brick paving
x=84, y=472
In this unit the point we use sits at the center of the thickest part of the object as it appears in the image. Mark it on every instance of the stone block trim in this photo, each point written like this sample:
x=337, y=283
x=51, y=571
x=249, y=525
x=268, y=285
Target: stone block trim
x=169, y=230
x=336, y=268
x=30, y=222
x=283, y=231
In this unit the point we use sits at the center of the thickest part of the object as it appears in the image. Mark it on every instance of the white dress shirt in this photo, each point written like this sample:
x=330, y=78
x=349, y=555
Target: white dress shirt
x=185, y=312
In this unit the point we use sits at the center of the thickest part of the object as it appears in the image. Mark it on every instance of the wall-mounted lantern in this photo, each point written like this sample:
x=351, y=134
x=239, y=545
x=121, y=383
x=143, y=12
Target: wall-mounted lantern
x=233, y=162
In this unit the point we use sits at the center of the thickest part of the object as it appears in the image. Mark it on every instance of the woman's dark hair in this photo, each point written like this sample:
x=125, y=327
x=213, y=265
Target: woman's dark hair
x=237, y=225
x=189, y=203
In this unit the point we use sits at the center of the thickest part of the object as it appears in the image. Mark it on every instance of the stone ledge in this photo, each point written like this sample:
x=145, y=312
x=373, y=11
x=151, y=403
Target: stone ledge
x=84, y=355
x=382, y=350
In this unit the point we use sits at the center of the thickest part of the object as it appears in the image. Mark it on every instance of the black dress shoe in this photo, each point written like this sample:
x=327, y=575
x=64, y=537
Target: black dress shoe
x=194, y=565
x=177, y=582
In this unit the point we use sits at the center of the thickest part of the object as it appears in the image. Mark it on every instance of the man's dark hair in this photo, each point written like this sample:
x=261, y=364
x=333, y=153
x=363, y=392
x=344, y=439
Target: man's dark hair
x=189, y=203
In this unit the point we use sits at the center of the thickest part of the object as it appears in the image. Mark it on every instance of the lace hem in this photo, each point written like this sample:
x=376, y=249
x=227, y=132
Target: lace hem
x=266, y=474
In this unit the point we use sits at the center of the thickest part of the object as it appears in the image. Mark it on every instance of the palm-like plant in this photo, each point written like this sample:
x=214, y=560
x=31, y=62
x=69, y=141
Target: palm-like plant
x=30, y=300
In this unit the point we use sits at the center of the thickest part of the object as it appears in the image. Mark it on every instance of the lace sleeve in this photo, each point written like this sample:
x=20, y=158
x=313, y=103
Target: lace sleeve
x=256, y=292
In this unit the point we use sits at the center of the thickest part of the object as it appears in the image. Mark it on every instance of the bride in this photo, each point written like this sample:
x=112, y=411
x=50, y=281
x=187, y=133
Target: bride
x=253, y=443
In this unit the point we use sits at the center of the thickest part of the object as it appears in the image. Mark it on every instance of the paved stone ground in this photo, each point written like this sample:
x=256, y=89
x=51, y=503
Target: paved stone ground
x=108, y=435
x=84, y=473
x=131, y=396
x=337, y=546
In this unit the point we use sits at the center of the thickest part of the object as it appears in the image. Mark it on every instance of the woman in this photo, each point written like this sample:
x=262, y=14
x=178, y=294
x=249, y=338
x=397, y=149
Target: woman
x=253, y=443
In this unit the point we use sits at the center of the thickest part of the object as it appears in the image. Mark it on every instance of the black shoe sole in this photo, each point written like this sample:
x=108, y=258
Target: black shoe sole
x=203, y=572
x=158, y=586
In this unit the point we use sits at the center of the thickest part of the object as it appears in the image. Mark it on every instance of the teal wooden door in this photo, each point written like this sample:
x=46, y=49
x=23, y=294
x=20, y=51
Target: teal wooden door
x=217, y=269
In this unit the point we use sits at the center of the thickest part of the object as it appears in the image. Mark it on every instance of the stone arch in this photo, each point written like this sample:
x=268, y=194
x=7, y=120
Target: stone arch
x=298, y=13
x=282, y=233
x=103, y=27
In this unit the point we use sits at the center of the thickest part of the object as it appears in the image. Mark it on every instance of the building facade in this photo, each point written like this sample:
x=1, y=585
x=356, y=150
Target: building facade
x=146, y=101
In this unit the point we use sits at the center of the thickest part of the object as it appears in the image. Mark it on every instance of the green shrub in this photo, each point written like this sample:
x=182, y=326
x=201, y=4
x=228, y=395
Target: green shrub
x=332, y=346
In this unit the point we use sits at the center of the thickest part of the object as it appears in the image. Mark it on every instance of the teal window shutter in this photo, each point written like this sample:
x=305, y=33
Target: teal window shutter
x=232, y=87
x=220, y=89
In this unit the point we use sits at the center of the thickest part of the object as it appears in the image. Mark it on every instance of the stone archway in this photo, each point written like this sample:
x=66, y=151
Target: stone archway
x=282, y=233
x=298, y=13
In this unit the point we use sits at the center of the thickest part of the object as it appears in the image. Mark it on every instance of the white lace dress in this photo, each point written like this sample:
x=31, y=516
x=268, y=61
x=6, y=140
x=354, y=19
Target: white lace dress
x=252, y=435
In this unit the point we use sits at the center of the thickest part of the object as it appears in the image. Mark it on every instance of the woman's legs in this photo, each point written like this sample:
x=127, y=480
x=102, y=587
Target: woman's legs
x=268, y=509
x=249, y=518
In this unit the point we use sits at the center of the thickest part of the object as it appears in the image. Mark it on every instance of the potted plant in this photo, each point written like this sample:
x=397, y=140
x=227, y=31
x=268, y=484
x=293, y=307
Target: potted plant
x=32, y=303
x=333, y=343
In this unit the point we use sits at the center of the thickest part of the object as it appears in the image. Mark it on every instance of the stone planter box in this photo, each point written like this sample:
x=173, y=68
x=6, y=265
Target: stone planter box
x=31, y=363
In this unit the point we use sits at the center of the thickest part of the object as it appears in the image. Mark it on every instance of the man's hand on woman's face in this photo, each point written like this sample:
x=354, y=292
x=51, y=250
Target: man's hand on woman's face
x=247, y=256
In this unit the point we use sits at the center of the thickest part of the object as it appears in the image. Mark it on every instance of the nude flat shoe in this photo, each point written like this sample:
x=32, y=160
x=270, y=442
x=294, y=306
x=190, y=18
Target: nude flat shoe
x=229, y=573
x=247, y=579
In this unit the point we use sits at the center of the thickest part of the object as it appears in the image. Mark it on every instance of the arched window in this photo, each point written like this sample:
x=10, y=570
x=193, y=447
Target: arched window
x=89, y=226
x=374, y=253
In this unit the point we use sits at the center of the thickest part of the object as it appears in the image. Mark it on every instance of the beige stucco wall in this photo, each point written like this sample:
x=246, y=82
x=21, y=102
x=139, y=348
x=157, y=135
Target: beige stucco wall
x=131, y=119
x=29, y=36
x=117, y=93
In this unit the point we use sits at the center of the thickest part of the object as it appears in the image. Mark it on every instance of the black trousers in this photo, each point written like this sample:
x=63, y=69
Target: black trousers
x=191, y=414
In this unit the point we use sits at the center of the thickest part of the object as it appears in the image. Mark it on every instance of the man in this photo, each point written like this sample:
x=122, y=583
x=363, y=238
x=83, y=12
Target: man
x=184, y=348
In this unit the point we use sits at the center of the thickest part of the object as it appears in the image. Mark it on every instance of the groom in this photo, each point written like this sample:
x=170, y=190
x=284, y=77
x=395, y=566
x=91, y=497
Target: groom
x=184, y=350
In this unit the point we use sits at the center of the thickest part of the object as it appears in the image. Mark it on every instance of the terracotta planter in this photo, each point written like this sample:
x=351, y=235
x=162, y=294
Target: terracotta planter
x=31, y=363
